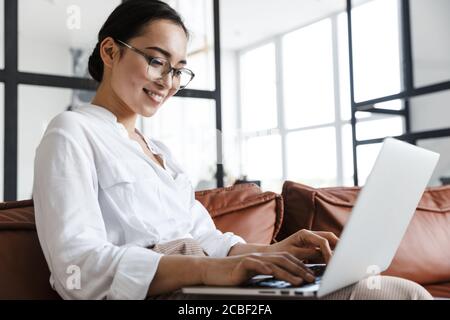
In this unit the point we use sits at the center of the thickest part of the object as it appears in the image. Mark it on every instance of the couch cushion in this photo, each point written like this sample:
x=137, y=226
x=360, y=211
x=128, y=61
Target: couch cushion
x=23, y=270
x=423, y=255
x=245, y=210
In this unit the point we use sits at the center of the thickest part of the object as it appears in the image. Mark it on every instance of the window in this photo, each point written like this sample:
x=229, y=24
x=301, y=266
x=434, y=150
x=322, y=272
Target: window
x=442, y=171
x=2, y=34
x=305, y=145
x=347, y=155
x=431, y=42
x=367, y=155
x=379, y=127
x=187, y=127
x=2, y=136
x=376, y=49
x=312, y=157
x=52, y=60
x=309, y=86
x=344, y=67
x=258, y=89
x=198, y=17
x=57, y=37
x=431, y=111
x=37, y=106
x=262, y=160
x=308, y=76
x=377, y=73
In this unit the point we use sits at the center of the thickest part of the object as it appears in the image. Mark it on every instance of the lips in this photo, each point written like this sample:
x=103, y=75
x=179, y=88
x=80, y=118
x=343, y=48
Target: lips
x=154, y=95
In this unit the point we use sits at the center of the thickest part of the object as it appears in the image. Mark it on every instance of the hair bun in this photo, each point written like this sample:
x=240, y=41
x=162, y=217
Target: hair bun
x=95, y=64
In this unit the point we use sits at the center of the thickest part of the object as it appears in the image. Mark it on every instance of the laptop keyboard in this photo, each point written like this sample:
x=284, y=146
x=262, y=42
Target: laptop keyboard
x=271, y=282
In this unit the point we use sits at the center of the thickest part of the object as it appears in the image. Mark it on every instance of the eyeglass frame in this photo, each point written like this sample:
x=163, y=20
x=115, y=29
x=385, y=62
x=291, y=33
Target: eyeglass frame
x=150, y=59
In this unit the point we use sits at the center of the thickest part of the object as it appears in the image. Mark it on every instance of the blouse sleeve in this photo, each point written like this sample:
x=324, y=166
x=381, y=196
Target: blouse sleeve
x=212, y=240
x=71, y=230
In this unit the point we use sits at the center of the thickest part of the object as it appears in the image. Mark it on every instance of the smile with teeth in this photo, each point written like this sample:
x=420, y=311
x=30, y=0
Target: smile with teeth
x=153, y=95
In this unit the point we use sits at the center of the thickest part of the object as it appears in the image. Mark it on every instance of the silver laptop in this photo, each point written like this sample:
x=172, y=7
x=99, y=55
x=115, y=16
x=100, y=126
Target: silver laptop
x=372, y=235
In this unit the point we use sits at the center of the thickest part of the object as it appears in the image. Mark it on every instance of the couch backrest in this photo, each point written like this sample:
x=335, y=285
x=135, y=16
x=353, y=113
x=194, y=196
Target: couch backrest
x=424, y=253
x=246, y=211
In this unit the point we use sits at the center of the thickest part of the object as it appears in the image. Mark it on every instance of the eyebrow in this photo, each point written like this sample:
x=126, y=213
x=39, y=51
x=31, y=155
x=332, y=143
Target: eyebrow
x=166, y=53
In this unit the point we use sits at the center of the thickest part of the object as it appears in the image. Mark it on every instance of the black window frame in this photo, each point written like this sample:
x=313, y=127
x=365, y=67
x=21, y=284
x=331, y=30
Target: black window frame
x=409, y=91
x=11, y=77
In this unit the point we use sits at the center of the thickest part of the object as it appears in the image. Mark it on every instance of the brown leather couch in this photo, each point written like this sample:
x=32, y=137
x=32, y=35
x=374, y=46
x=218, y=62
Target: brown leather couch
x=259, y=217
x=424, y=253
x=244, y=209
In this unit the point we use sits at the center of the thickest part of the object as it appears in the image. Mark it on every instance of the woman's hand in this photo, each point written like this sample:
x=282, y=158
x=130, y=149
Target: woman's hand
x=236, y=270
x=314, y=246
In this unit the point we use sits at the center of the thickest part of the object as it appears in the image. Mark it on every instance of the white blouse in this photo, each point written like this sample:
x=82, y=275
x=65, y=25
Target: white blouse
x=100, y=201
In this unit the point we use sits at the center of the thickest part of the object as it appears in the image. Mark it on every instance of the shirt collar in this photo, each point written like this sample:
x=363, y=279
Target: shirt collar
x=98, y=111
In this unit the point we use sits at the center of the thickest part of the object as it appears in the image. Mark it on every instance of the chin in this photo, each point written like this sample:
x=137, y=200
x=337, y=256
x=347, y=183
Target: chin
x=149, y=110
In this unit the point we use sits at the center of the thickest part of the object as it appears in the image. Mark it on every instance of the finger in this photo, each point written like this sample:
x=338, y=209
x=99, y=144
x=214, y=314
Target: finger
x=292, y=267
x=256, y=266
x=307, y=236
x=282, y=274
x=307, y=253
x=330, y=236
x=296, y=260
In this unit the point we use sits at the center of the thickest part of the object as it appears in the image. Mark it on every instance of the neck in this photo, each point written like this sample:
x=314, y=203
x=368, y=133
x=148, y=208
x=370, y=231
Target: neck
x=105, y=97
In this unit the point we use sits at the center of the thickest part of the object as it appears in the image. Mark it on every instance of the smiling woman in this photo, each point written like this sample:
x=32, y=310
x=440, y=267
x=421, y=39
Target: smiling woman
x=143, y=84
x=127, y=192
x=112, y=202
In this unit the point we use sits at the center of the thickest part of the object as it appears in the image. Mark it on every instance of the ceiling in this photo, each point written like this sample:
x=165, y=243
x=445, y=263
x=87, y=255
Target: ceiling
x=246, y=22
x=243, y=22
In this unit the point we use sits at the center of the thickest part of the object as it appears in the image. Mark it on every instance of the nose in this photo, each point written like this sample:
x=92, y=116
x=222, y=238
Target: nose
x=166, y=80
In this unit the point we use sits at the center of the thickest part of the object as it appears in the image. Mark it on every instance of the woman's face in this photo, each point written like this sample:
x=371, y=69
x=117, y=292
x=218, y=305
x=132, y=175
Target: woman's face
x=129, y=79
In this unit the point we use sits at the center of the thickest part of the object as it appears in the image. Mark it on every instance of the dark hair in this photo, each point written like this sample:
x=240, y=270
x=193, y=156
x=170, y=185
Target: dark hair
x=127, y=21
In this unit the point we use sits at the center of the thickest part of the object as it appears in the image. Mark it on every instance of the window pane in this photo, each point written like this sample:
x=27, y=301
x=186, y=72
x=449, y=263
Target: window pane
x=431, y=43
x=230, y=118
x=391, y=105
x=36, y=107
x=57, y=37
x=367, y=155
x=308, y=76
x=199, y=19
x=2, y=137
x=430, y=112
x=262, y=160
x=379, y=127
x=187, y=127
x=2, y=38
x=258, y=89
x=347, y=155
x=311, y=156
x=442, y=172
x=376, y=49
x=344, y=68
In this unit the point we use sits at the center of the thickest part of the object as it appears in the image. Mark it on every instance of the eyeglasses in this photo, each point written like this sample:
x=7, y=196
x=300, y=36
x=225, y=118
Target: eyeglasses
x=159, y=67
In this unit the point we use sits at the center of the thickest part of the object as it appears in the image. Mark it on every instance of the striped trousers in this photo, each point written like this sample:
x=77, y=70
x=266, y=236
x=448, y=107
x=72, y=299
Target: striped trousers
x=390, y=288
